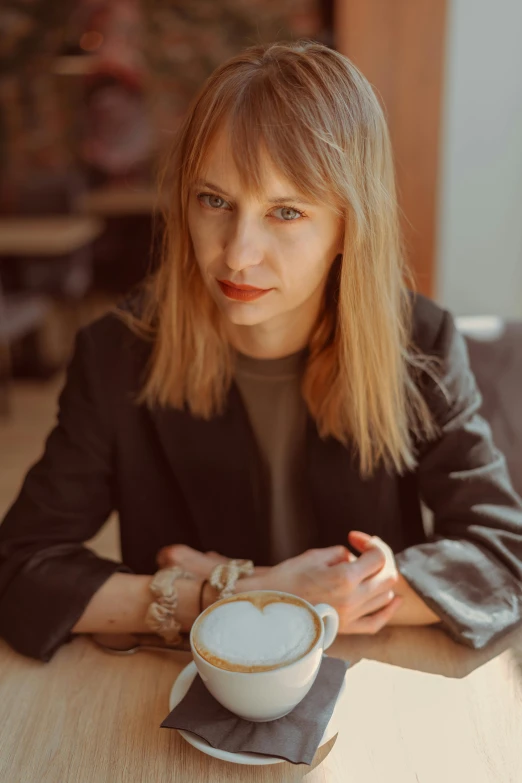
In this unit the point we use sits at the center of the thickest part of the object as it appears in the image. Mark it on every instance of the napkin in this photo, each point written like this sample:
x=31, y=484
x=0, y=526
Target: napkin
x=295, y=737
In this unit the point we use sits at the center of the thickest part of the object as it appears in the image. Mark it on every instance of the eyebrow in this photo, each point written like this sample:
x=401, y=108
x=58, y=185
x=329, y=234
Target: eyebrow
x=278, y=200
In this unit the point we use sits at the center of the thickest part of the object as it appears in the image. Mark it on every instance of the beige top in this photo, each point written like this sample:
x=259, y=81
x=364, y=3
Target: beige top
x=271, y=391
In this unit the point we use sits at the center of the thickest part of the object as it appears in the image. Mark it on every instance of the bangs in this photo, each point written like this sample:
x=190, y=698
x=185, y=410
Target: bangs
x=265, y=118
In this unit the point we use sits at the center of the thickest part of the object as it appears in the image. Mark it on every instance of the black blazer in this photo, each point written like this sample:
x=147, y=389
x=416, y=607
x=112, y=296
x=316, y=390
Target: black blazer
x=175, y=479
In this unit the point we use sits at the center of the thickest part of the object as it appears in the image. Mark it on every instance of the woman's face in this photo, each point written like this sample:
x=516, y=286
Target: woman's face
x=276, y=243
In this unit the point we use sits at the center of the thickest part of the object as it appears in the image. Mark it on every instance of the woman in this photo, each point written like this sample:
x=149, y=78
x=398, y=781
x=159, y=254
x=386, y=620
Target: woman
x=275, y=392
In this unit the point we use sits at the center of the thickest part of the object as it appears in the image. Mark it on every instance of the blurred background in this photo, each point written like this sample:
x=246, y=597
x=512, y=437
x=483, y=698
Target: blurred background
x=91, y=92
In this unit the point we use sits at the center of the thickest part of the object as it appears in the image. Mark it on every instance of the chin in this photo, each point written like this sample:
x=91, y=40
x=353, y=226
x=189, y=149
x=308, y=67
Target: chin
x=242, y=315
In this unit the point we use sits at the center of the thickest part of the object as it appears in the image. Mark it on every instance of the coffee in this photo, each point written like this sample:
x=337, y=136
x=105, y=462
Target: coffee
x=256, y=632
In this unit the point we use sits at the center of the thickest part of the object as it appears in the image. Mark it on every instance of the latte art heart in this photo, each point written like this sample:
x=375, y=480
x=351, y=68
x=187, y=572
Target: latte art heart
x=244, y=637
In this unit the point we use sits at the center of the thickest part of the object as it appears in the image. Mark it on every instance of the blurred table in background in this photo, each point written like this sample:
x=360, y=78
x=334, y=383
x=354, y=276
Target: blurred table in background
x=125, y=254
x=47, y=236
x=119, y=201
x=49, y=256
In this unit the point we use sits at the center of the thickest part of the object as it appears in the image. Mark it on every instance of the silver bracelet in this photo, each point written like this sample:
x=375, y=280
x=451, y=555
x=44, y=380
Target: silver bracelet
x=161, y=614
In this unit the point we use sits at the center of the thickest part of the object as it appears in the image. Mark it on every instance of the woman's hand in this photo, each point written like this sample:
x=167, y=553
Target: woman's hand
x=388, y=574
x=198, y=563
x=360, y=589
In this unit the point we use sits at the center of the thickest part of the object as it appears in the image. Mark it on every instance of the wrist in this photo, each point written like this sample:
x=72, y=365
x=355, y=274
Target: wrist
x=118, y=606
x=209, y=595
x=189, y=592
x=188, y=601
x=413, y=610
x=248, y=583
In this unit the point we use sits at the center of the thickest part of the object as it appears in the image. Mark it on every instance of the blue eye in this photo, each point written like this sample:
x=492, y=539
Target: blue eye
x=294, y=213
x=211, y=199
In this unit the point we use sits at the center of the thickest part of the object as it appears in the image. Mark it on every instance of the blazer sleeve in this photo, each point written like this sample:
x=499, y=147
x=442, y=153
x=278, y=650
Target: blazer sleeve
x=470, y=570
x=47, y=575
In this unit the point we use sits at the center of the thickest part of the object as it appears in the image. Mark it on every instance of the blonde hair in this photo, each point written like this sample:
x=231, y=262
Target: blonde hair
x=359, y=382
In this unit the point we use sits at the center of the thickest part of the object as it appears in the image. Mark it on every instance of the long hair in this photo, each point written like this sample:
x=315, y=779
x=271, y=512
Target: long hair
x=324, y=129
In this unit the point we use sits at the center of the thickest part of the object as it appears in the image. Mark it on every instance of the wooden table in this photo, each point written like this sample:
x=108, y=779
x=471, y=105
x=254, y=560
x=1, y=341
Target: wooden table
x=417, y=709
x=47, y=236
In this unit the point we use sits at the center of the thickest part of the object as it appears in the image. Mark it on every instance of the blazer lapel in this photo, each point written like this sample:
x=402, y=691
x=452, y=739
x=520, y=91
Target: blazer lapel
x=217, y=466
x=331, y=485
x=215, y=463
x=342, y=500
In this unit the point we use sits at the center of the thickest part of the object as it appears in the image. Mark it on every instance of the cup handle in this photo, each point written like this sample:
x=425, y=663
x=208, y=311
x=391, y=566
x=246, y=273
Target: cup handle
x=330, y=620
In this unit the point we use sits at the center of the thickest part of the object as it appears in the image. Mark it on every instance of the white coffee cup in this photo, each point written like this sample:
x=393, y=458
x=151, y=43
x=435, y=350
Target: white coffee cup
x=268, y=694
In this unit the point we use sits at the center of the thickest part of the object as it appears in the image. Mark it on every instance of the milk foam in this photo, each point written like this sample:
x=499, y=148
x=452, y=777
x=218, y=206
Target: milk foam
x=241, y=634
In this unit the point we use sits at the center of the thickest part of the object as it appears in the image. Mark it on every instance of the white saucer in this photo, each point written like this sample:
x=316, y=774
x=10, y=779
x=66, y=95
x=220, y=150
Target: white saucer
x=179, y=690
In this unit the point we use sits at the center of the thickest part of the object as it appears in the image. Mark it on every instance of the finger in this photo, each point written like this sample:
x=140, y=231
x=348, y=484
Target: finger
x=385, y=579
x=364, y=566
x=198, y=562
x=217, y=557
x=364, y=542
x=327, y=556
x=165, y=557
x=375, y=603
x=372, y=603
x=368, y=542
x=385, y=549
x=175, y=554
x=359, y=540
x=373, y=623
x=339, y=554
x=186, y=557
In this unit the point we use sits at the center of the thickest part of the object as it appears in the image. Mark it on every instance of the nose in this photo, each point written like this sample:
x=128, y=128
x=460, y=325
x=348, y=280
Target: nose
x=243, y=247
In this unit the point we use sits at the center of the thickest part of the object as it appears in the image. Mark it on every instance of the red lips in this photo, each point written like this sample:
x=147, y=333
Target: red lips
x=240, y=287
x=241, y=293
